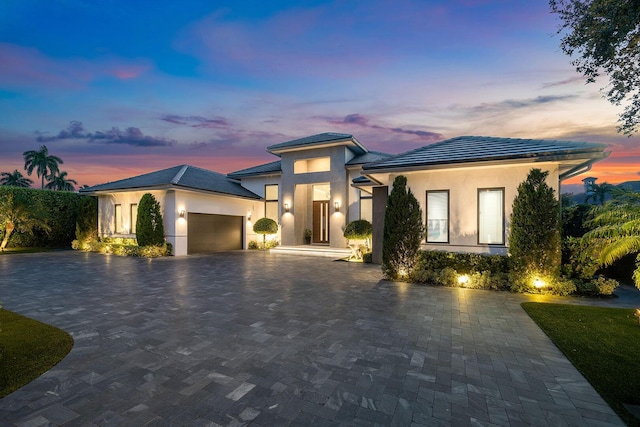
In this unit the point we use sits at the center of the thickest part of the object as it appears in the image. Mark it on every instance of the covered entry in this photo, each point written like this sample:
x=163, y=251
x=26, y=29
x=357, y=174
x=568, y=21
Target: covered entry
x=211, y=233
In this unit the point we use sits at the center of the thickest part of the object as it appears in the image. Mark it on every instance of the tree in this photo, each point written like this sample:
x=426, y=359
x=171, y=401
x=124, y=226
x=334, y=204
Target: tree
x=534, y=238
x=18, y=215
x=44, y=164
x=617, y=231
x=15, y=179
x=604, y=36
x=149, y=226
x=61, y=183
x=403, y=231
x=599, y=192
x=360, y=229
x=265, y=226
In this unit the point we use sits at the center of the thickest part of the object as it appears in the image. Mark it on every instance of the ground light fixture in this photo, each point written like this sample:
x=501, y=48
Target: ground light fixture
x=463, y=279
x=538, y=283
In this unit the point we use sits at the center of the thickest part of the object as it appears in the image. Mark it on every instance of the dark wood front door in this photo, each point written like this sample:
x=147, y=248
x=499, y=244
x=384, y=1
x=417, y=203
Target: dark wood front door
x=320, y=222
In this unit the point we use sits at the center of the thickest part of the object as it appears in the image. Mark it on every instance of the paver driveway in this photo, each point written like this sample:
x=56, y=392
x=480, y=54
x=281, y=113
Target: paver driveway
x=249, y=337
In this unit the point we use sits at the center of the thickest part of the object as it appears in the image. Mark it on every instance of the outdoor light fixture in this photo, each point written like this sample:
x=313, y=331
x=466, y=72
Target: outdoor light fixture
x=286, y=207
x=538, y=283
x=336, y=205
x=182, y=214
x=463, y=279
x=248, y=215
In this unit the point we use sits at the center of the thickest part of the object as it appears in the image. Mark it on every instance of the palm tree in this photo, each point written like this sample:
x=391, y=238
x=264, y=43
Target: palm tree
x=61, y=183
x=599, y=192
x=19, y=215
x=44, y=164
x=15, y=179
x=618, y=229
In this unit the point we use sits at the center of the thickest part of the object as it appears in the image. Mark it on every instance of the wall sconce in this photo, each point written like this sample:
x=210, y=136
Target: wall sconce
x=248, y=215
x=286, y=207
x=336, y=205
x=182, y=214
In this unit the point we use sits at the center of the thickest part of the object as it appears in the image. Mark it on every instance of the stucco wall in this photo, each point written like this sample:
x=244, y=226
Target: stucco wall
x=463, y=185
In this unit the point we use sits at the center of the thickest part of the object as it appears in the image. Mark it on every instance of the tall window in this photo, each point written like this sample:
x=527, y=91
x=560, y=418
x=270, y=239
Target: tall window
x=366, y=206
x=438, y=216
x=117, y=217
x=271, y=201
x=133, y=217
x=491, y=216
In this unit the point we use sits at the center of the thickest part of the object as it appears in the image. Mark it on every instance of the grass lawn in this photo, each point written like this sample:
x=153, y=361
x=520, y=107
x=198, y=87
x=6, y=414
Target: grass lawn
x=28, y=349
x=603, y=343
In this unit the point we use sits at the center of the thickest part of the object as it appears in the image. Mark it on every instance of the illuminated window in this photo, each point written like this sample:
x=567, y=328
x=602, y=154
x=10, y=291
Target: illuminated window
x=271, y=204
x=491, y=216
x=133, y=217
x=438, y=216
x=318, y=164
x=366, y=206
x=117, y=217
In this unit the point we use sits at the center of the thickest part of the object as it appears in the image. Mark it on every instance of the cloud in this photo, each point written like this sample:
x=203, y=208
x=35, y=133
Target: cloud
x=130, y=136
x=563, y=82
x=360, y=120
x=196, y=121
x=514, y=104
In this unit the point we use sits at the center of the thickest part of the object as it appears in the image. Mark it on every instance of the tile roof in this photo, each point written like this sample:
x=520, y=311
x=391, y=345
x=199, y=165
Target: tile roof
x=371, y=156
x=184, y=176
x=469, y=149
x=265, y=169
x=319, y=139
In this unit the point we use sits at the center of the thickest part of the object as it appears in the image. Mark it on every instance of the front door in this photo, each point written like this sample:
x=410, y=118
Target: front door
x=320, y=221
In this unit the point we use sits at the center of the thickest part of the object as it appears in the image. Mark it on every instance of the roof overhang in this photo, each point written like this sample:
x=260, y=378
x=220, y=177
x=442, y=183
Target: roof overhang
x=165, y=187
x=351, y=143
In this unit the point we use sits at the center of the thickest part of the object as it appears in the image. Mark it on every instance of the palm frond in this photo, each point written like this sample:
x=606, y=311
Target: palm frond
x=619, y=248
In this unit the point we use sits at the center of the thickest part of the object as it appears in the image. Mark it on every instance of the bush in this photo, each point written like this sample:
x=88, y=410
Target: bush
x=403, y=231
x=358, y=230
x=87, y=220
x=574, y=218
x=367, y=257
x=600, y=285
x=149, y=226
x=579, y=259
x=253, y=245
x=124, y=247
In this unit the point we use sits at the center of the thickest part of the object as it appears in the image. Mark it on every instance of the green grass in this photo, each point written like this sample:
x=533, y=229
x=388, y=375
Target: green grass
x=8, y=251
x=602, y=343
x=28, y=349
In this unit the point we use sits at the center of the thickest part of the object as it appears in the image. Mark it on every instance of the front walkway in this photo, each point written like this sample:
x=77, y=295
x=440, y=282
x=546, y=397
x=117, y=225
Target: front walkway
x=253, y=338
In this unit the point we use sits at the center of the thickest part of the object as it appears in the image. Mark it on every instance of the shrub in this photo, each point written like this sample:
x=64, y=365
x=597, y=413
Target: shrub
x=253, y=245
x=403, y=231
x=149, y=226
x=124, y=247
x=534, y=238
x=579, y=259
x=358, y=230
x=367, y=257
x=574, y=219
x=265, y=226
x=87, y=220
x=604, y=286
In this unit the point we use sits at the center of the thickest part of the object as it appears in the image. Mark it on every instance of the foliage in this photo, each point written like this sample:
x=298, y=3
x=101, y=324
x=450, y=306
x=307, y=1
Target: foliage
x=307, y=233
x=367, y=257
x=403, y=231
x=149, y=226
x=602, y=343
x=617, y=230
x=604, y=36
x=253, y=245
x=599, y=193
x=599, y=285
x=28, y=349
x=60, y=182
x=534, y=238
x=87, y=222
x=122, y=246
x=15, y=179
x=265, y=226
x=267, y=245
x=579, y=259
x=16, y=214
x=44, y=164
x=574, y=218
x=360, y=229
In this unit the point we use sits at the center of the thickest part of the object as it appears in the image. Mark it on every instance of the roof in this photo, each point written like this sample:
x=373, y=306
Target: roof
x=470, y=149
x=371, y=156
x=265, y=169
x=183, y=176
x=321, y=139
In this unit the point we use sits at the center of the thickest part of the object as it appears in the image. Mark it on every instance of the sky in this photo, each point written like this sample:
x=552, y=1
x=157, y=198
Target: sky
x=117, y=88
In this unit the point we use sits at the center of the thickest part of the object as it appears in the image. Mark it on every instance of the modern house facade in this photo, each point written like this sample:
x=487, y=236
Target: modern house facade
x=465, y=186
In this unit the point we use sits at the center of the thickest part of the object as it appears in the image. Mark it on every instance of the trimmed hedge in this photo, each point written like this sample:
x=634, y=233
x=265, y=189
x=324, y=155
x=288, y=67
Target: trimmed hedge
x=123, y=247
x=62, y=212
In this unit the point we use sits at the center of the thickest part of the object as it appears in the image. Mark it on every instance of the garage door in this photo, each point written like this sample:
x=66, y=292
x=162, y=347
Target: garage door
x=211, y=233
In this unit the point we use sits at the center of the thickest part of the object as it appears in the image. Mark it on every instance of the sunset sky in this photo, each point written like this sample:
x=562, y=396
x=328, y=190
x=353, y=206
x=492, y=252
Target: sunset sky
x=119, y=88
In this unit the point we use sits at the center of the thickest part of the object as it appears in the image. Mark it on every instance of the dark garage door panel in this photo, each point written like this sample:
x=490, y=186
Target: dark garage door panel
x=211, y=233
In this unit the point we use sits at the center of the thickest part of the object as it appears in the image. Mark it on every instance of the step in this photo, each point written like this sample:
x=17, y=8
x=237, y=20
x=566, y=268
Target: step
x=311, y=250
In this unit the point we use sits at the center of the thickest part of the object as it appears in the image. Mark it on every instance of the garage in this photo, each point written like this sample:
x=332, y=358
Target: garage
x=212, y=233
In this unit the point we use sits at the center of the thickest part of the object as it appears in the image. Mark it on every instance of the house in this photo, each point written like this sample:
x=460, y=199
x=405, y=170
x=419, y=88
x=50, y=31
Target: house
x=465, y=186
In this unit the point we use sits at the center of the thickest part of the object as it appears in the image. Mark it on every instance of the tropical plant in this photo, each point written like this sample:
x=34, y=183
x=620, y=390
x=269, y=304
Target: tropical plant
x=61, y=183
x=18, y=215
x=603, y=34
x=149, y=226
x=15, y=179
x=265, y=226
x=617, y=231
x=44, y=164
x=403, y=231
x=599, y=193
x=534, y=238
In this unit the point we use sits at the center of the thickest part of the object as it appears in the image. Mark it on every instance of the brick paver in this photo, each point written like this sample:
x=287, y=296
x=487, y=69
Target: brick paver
x=249, y=338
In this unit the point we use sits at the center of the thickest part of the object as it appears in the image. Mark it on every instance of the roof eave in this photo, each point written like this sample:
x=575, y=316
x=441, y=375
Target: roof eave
x=360, y=149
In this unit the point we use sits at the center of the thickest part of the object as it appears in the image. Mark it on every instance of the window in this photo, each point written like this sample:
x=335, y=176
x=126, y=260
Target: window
x=318, y=164
x=271, y=202
x=438, y=216
x=133, y=217
x=491, y=216
x=366, y=206
x=117, y=217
